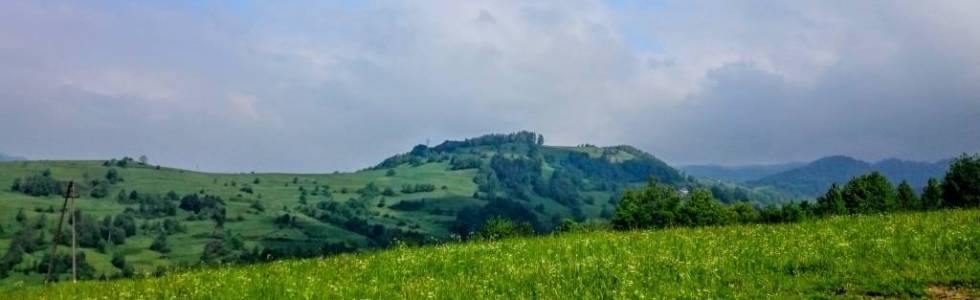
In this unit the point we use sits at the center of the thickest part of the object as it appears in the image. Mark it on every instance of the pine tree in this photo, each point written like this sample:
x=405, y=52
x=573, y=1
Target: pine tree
x=932, y=195
x=832, y=203
x=906, y=198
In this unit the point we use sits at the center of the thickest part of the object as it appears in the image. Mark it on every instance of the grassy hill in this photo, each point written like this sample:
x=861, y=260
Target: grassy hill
x=428, y=195
x=278, y=193
x=934, y=254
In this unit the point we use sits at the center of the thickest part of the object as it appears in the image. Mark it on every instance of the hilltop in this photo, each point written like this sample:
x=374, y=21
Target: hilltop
x=883, y=256
x=143, y=218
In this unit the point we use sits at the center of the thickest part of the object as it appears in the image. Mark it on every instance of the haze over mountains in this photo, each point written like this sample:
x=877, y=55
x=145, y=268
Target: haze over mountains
x=7, y=157
x=814, y=178
x=738, y=173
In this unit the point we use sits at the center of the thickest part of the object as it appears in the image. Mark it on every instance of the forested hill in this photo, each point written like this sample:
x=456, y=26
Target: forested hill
x=814, y=178
x=741, y=173
x=138, y=217
x=518, y=176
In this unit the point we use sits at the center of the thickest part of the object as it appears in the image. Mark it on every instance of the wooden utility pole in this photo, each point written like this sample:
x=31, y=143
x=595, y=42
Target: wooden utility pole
x=69, y=197
x=74, y=242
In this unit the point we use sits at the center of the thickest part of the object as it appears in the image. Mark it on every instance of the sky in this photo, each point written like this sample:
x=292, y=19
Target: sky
x=319, y=86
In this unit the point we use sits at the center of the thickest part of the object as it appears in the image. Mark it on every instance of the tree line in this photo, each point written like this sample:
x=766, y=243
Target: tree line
x=660, y=206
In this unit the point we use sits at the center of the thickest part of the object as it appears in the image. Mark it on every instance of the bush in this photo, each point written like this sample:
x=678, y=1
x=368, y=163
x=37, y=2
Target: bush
x=418, y=188
x=100, y=189
x=160, y=244
x=654, y=206
x=701, y=209
x=38, y=185
x=113, y=176
x=871, y=193
x=497, y=228
x=961, y=186
x=409, y=205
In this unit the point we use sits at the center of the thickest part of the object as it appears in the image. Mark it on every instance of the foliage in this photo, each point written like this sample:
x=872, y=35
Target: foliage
x=418, y=188
x=409, y=205
x=869, y=193
x=497, y=228
x=522, y=137
x=63, y=262
x=932, y=195
x=655, y=206
x=160, y=244
x=197, y=204
x=38, y=185
x=225, y=248
x=122, y=163
x=961, y=186
x=906, y=198
x=112, y=175
x=701, y=209
x=832, y=202
x=465, y=162
x=472, y=220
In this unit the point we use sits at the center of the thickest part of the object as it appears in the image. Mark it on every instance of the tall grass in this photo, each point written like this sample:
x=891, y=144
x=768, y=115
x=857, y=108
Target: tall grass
x=888, y=255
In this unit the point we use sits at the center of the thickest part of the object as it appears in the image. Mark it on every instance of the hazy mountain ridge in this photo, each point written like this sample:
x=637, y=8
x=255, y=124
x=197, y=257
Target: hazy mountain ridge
x=738, y=173
x=8, y=157
x=814, y=178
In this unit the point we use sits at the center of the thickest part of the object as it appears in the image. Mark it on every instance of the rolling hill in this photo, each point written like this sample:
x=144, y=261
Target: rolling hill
x=816, y=177
x=140, y=218
x=905, y=255
x=136, y=218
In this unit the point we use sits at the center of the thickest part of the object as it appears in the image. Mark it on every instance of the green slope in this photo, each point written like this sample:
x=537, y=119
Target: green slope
x=899, y=255
x=277, y=192
x=509, y=175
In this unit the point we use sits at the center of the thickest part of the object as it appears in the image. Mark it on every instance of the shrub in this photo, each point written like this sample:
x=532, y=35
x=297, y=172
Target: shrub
x=497, y=228
x=961, y=186
x=654, y=206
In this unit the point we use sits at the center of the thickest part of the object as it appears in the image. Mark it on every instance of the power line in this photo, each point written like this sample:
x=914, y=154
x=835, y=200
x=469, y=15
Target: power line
x=69, y=199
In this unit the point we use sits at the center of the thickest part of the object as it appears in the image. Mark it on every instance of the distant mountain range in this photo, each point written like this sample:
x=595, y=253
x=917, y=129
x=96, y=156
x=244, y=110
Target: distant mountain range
x=738, y=174
x=815, y=178
x=6, y=157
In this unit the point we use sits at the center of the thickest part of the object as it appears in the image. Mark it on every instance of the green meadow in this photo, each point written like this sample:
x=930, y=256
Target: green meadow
x=279, y=194
x=900, y=255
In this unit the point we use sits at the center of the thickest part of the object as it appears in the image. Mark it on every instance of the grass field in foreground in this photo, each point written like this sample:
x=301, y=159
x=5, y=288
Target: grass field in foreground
x=902, y=255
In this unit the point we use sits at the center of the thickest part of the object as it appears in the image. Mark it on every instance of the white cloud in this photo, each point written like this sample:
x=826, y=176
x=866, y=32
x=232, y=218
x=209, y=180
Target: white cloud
x=314, y=86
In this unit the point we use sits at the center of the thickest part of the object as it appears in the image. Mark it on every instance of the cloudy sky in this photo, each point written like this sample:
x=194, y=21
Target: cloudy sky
x=339, y=85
